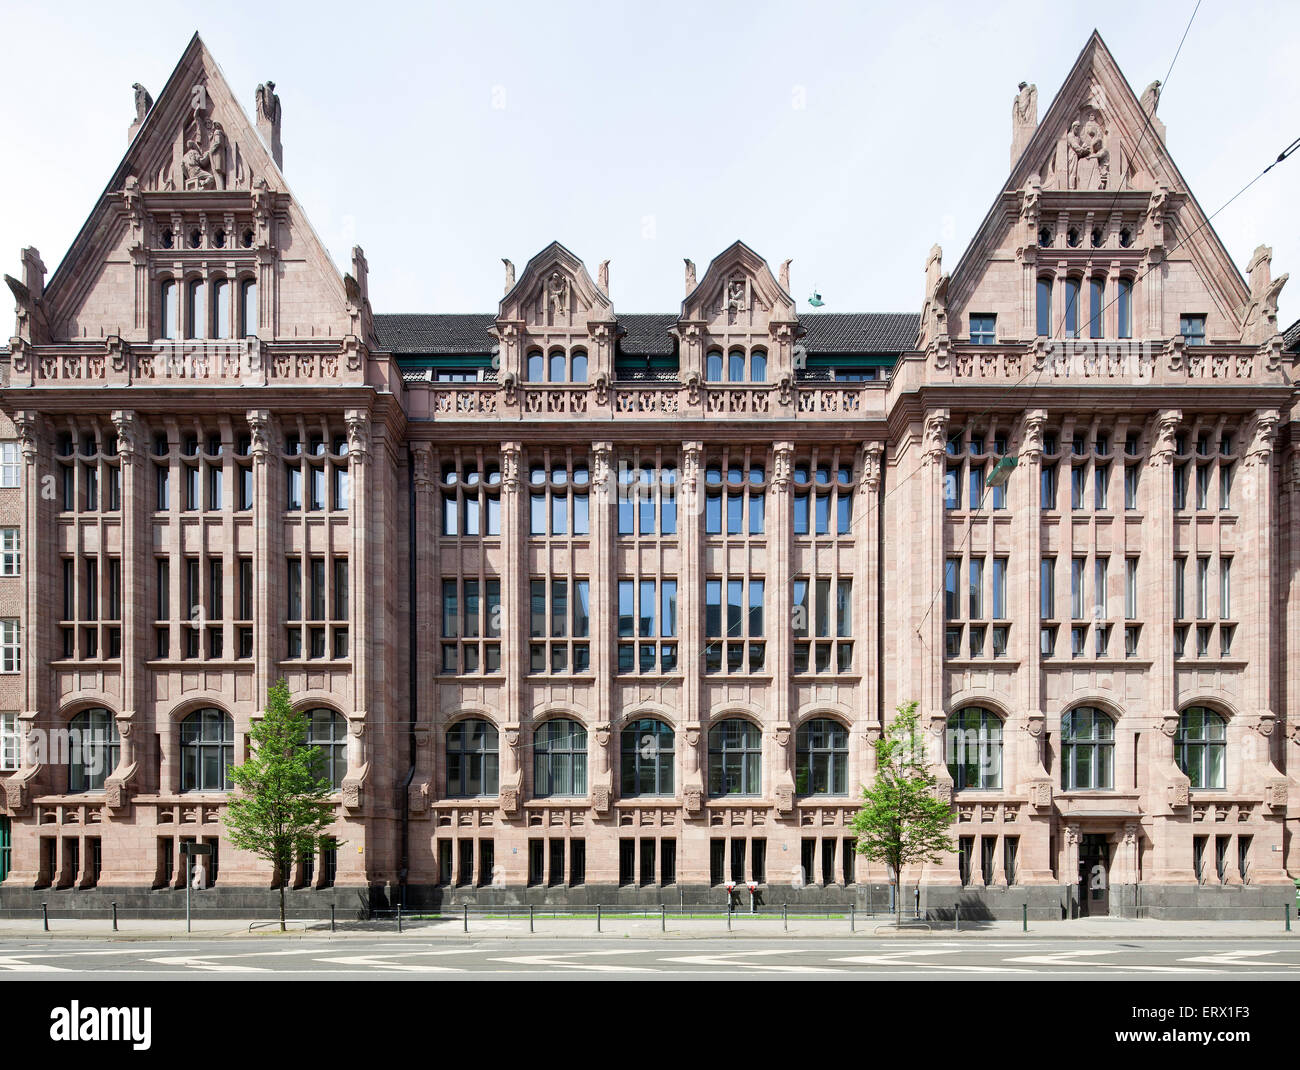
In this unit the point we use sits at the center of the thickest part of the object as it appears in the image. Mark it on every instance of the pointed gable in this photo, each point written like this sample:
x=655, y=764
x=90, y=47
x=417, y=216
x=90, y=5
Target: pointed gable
x=1095, y=193
x=738, y=293
x=197, y=195
x=555, y=291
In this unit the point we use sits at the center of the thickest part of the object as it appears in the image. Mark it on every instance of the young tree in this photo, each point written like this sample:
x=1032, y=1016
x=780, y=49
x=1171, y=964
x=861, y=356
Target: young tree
x=902, y=820
x=282, y=805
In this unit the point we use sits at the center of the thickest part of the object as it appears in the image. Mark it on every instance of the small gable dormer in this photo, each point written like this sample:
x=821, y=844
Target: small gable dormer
x=738, y=323
x=555, y=323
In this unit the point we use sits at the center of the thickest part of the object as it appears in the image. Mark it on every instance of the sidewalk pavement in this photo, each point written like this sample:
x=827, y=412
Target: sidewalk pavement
x=743, y=926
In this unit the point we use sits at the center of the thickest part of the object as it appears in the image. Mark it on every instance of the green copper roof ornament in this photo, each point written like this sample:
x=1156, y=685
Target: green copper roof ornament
x=816, y=299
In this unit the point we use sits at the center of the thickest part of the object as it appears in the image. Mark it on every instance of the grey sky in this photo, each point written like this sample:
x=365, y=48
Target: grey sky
x=648, y=132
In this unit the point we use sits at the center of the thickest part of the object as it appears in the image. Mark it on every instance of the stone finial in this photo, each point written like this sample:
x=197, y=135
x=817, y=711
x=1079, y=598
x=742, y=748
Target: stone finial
x=784, y=277
x=602, y=277
x=143, y=102
x=33, y=272
x=1151, y=98
x=1259, y=323
x=1024, y=119
x=690, y=276
x=268, y=120
x=510, y=274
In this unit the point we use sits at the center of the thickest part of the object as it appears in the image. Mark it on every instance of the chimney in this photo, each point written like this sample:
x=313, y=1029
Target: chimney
x=268, y=120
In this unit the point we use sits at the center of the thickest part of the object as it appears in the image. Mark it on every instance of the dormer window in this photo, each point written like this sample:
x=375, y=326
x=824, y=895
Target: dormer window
x=1045, y=236
x=1096, y=237
x=1125, y=238
x=1072, y=238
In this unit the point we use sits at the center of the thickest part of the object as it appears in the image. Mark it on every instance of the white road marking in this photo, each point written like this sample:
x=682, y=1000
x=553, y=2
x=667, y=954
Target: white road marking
x=1235, y=958
x=558, y=959
x=1072, y=958
x=900, y=958
x=728, y=959
x=206, y=963
x=19, y=966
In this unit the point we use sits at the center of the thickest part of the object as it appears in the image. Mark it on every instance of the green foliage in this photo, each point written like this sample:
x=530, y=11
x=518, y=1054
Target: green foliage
x=902, y=820
x=281, y=806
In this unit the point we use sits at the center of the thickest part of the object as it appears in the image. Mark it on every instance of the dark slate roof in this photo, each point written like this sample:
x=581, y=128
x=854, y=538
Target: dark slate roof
x=860, y=332
x=420, y=333
x=1291, y=338
x=440, y=334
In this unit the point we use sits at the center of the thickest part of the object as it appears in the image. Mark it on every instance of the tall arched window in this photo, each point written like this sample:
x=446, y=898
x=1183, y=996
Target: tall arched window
x=195, y=310
x=821, y=750
x=735, y=758
x=472, y=759
x=559, y=759
x=1201, y=746
x=975, y=749
x=536, y=367
x=1124, y=308
x=713, y=366
x=736, y=366
x=578, y=366
x=221, y=308
x=1087, y=750
x=558, y=367
x=1044, y=307
x=168, y=309
x=1071, y=308
x=328, y=733
x=207, y=750
x=647, y=759
x=758, y=366
x=248, y=308
x=1096, y=306
x=93, y=750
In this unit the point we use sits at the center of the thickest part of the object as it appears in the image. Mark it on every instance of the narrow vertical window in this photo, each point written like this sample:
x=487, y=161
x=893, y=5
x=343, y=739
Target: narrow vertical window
x=1044, y=308
x=248, y=308
x=1125, y=308
x=1071, y=308
x=1096, y=303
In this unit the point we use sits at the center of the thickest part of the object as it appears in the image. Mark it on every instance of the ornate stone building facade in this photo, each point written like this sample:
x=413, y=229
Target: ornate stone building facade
x=598, y=607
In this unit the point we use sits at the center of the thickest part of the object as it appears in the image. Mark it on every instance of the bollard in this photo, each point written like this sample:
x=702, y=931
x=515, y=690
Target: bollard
x=1288, y=917
x=597, y=917
x=465, y=915
x=663, y=919
x=918, y=902
x=399, y=917
x=331, y=917
x=530, y=917
x=785, y=917
x=114, y=917
x=728, y=912
x=956, y=917
x=45, y=917
x=852, y=916
x=1024, y=918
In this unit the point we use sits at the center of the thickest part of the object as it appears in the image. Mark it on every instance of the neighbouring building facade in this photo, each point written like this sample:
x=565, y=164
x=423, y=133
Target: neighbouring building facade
x=596, y=607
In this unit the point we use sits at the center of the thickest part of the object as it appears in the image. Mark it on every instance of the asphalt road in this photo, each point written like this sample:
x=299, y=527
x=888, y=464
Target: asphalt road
x=268, y=958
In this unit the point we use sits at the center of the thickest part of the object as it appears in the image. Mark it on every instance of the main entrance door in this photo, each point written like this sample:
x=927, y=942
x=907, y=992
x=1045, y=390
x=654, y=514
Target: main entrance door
x=1094, y=876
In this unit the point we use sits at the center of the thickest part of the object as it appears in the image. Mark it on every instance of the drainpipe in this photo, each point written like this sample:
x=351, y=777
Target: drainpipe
x=411, y=674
